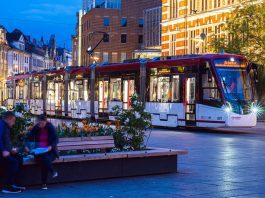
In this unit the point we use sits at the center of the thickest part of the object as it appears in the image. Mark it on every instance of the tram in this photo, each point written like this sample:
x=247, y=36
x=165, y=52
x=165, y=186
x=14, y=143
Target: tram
x=211, y=90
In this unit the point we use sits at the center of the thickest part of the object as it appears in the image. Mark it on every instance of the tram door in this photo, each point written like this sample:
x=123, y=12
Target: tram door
x=103, y=101
x=59, y=96
x=128, y=91
x=190, y=100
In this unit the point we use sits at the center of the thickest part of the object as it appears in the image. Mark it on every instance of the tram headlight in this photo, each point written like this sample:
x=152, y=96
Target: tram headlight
x=255, y=109
x=228, y=108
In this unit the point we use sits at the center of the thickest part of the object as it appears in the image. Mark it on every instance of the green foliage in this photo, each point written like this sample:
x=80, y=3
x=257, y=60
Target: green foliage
x=245, y=32
x=23, y=121
x=134, y=121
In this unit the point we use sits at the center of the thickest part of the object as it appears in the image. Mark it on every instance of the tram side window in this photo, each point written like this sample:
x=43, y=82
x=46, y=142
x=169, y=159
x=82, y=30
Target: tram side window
x=21, y=92
x=175, y=89
x=211, y=93
x=159, y=89
x=10, y=93
x=35, y=90
x=86, y=90
x=80, y=89
x=51, y=90
x=72, y=91
x=153, y=89
x=115, y=89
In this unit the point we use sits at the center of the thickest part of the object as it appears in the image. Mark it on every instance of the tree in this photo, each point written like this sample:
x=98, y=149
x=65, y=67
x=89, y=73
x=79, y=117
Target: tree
x=245, y=35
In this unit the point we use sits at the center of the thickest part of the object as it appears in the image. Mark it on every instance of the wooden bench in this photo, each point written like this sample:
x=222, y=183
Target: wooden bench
x=85, y=143
x=80, y=167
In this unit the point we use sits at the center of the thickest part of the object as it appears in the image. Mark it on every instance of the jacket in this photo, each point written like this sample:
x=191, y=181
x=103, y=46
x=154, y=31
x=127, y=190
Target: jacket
x=5, y=140
x=34, y=134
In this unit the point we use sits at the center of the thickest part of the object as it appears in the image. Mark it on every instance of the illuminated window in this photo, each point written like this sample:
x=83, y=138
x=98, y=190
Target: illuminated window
x=115, y=89
x=36, y=90
x=175, y=89
x=128, y=91
x=159, y=89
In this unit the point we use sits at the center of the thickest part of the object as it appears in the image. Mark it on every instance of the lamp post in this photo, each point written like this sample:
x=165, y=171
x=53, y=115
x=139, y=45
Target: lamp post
x=90, y=52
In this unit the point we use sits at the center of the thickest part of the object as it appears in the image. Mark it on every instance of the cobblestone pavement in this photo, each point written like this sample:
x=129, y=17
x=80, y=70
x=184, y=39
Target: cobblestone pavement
x=219, y=164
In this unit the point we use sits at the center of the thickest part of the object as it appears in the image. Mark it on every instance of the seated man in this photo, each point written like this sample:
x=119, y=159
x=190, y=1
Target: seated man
x=9, y=159
x=44, y=136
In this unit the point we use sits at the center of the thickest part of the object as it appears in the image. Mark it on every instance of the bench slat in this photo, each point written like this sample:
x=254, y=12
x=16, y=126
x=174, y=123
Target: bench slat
x=85, y=143
x=84, y=147
x=93, y=138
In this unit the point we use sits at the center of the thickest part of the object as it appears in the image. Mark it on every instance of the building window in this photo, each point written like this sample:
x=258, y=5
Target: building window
x=105, y=57
x=114, y=57
x=140, y=39
x=106, y=21
x=124, y=22
x=141, y=22
x=124, y=38
x=123, y=56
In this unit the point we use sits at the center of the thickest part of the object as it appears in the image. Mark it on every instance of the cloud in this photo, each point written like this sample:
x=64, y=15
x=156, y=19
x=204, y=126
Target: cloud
x=46, y=9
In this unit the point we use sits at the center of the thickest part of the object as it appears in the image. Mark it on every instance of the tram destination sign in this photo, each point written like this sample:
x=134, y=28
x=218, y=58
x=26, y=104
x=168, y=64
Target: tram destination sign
x=230, y=63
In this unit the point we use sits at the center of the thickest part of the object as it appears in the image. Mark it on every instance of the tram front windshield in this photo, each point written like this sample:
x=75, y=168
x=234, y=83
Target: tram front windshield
x=235, y=79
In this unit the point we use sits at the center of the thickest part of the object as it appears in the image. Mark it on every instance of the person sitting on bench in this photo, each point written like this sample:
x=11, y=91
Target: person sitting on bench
x=10, y=161
x=44, y=136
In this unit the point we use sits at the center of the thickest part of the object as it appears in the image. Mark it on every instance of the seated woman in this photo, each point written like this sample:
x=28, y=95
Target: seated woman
x=44, y=136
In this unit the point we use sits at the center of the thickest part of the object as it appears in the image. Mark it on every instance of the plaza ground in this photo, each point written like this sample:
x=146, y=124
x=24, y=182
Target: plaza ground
x=220, y=163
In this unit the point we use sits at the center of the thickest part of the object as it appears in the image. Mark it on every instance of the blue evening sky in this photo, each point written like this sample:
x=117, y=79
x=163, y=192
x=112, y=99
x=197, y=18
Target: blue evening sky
x=41, y=18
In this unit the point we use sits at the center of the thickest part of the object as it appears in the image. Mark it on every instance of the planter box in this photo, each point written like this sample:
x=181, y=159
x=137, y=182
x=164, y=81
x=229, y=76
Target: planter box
x=105, y=165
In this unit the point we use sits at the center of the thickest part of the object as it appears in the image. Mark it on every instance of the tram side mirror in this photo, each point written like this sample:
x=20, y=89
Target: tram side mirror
x=254, y=68
x=255, y=76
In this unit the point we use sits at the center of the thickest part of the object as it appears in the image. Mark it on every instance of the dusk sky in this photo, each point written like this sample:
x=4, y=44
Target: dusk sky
x=41, y=18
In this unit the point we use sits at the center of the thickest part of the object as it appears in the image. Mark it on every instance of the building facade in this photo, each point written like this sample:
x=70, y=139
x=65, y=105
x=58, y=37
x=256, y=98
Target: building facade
x=151, y=34
x=18, y=57
x=91, y=4
x=123, y=25
x=4, y=47
x=64, y=56
x=189, y=25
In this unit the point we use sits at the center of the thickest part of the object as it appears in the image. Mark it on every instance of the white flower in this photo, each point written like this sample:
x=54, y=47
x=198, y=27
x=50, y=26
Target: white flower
x=18, y=115
x=26, y=108
x=135, y=102
x=3, y=108
x=137, y=115
x=127, y=121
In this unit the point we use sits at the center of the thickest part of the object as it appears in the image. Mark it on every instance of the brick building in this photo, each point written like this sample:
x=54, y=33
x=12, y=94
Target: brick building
x=124, y=26
x=188, y=25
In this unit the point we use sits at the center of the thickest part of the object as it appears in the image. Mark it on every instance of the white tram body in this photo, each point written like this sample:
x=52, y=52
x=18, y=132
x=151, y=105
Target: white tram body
x=201, y=91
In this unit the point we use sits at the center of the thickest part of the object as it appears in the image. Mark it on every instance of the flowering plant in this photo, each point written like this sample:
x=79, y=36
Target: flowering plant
x=131, y=125
x=22, y=125
x=88, y=129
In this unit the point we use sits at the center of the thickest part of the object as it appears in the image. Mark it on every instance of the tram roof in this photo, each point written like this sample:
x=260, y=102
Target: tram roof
x=163, y=62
